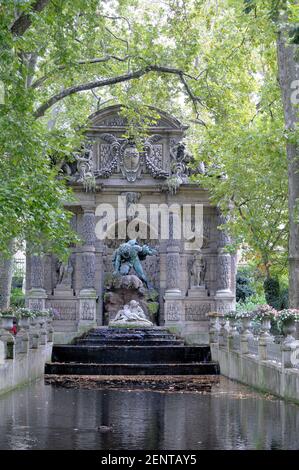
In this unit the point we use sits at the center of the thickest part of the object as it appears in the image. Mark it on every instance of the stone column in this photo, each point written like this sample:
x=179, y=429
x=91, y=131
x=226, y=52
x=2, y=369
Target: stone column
x=225, y=295
x=87, y=294
x=99, y=279
x=37, y=294
x=174, y=307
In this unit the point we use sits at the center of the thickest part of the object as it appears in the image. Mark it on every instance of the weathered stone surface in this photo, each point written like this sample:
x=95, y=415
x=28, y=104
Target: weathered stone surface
x=121, y=290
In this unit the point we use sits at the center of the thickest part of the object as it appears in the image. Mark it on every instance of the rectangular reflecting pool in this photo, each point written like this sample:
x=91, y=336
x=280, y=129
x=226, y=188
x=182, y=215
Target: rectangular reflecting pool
x=231, y=416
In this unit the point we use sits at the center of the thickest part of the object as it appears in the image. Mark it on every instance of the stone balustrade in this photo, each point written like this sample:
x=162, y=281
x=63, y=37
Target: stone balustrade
x=23, y=356
x=255, y=360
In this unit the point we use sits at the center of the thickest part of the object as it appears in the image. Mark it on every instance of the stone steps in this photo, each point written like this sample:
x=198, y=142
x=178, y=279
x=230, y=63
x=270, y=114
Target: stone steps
x=130, y=342
x=131, y=354
x=142, y=351
x=200, y=368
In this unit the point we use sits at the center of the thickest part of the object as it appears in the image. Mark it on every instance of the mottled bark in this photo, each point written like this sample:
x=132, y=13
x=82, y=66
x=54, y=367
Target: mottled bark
x=23, y=22
x=6, y=268
x=288, y=74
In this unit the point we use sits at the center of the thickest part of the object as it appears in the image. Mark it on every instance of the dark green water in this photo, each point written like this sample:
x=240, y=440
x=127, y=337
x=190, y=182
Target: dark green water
x=230, y=417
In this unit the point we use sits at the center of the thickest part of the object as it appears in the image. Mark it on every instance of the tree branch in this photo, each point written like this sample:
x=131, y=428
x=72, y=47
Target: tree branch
x=23, y=22
x=112, y=81
x=100, y=60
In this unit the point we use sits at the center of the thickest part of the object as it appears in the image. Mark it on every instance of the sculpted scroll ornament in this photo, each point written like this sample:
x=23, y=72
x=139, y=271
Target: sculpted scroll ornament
x=109, y=161
x=153, y=157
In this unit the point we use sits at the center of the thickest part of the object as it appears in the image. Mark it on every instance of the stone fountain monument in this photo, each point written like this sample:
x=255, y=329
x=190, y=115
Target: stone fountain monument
x=111, y=174
x=129, y=299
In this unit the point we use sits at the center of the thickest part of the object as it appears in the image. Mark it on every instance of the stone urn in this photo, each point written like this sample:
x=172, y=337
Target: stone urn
x=289, y=328
x=33, y=321
x=266, y=326
x=24, y=323
x=246, y=324
x=232, y=327
x=6, y=322
x=41, y=320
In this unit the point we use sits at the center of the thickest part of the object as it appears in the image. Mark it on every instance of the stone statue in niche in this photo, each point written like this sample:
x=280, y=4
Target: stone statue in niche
x=131, y=313
x=198, y=271
x=129, y=255
x=65, y=274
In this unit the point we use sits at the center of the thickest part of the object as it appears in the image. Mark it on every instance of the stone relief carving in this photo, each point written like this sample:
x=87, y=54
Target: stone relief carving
x=88, y=270
x=109, y=159
x=130, y=161
x=152, y=268
x=88, y=227
x=154, y=156
x=65, y=310
x=123, y=153
x=37, y=271
x=173, y=312
x=223, y=237
x=224, y=270
x=207, y=222
x=36, y=304
x=224, y=307
x=173, y=266
x=87, y=310
x=197, y=311
x=180, y=159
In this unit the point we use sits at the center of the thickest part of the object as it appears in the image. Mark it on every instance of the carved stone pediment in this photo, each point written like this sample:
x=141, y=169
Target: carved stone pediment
x=162, y=154
x=117, y=154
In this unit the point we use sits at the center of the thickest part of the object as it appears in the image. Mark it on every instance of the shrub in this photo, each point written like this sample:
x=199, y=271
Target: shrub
x=243, y=287
x=272, y=292
x=17, y=298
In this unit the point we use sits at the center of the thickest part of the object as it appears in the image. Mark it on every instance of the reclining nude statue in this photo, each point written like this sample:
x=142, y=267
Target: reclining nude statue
x=129, y=255
x=131, y=313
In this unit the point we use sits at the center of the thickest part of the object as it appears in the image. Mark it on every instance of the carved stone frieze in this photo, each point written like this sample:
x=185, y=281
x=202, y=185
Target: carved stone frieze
x=65, y=309
x=173, y=311
x=197, y=311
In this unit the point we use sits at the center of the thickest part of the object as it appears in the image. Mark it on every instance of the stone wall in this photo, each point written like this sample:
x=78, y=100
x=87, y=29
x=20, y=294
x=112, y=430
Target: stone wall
x=23, y=357
x=256, y=361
